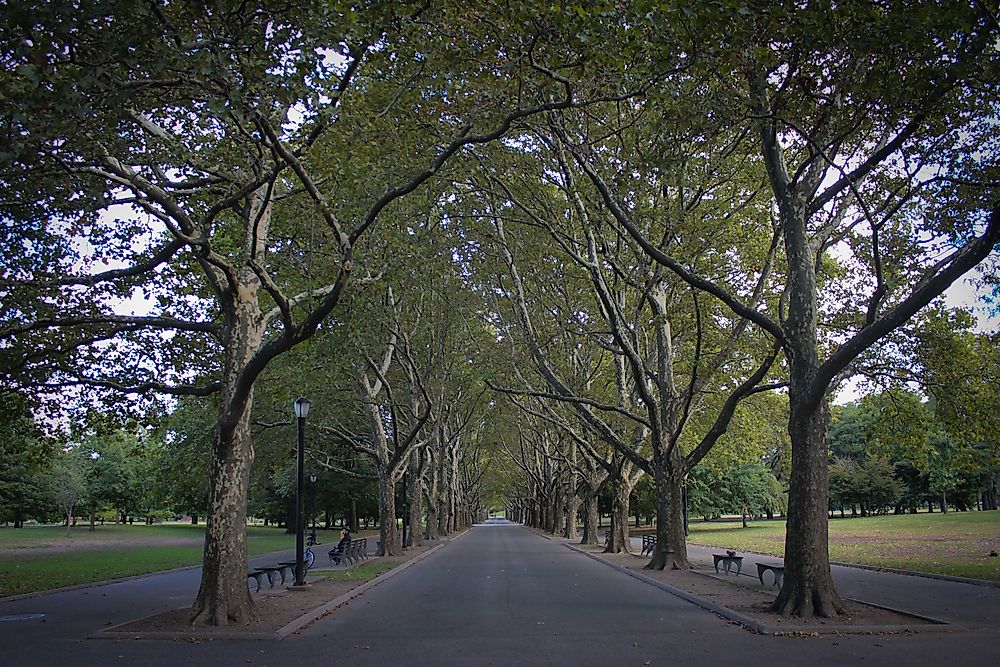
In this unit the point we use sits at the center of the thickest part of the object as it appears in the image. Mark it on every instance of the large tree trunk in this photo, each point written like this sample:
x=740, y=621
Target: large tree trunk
x=807, y=587
x=572, y=509
x=590, y=518
x=388, y=530
x=444, y=481
x=224, y=596
x=558, y=512
x=671, y=544
x=453, y=504
x=432, y=505
x=619, y=542
x=807, y=584
x=415, y=494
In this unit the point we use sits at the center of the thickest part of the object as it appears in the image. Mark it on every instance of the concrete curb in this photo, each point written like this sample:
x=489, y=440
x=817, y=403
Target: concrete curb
x=454, y=537
x=322, y=610
x=302, y=621
x=728, y=614
x=754, y=626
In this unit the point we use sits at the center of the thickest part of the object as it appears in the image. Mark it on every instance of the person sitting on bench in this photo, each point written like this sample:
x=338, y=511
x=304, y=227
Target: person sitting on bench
x=345, y=541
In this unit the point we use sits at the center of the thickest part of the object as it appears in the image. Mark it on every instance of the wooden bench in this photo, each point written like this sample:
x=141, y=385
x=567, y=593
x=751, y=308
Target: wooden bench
x=777, y=570
x=338, y=553
x=648, y=545
x=728, y=560
x=358, y=550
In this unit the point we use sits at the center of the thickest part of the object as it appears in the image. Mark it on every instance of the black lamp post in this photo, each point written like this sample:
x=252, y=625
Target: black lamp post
x=301, y=411
x=312, y=489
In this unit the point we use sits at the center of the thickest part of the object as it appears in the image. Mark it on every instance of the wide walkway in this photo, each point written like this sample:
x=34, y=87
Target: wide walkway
x=499, y=595
x=969, y=605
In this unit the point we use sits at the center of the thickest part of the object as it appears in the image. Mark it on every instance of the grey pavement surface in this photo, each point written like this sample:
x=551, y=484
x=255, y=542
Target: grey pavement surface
x=499, y=595
x=968, y=605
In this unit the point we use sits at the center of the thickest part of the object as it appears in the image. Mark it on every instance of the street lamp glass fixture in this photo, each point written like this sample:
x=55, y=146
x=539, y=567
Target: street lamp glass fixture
x=302, y=407
x=312, y=477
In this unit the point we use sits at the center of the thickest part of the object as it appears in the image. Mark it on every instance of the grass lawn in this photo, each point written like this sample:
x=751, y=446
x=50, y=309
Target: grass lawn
x=359, y=573
x=39, y=558
x=957, y=543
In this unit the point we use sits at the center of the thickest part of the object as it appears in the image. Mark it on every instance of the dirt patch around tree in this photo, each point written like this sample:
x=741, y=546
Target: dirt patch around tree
x=280, y=610
x=747, y=601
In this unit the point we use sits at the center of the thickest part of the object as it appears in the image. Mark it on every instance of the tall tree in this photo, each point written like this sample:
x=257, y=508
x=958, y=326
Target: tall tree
x=960, y=370
x=181, y=153
x=70, y=484
x=26, y=457
x=670, y=351
x=882, y=196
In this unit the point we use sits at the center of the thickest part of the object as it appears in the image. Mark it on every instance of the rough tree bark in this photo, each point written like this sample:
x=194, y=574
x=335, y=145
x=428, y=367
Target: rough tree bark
x=223, y=596
x=571, y=531
x=388, y=529
x=621, y=488
x=809, y=590
x=671, y=543
x=432, y=497
x=415, y=494
x=558, y=512
x=444, y=480
x=590, y=517
x=807, y=587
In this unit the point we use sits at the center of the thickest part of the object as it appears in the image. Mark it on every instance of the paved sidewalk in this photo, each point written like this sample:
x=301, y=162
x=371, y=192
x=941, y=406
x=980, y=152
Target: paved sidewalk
x=504, y=596
x=968, y=605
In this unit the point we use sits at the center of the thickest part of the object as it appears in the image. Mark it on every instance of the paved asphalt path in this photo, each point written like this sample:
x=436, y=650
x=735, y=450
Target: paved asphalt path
x=969, y=605
x=499, y=595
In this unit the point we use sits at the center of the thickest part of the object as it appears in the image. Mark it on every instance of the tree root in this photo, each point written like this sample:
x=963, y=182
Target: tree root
x=665, y=562
x=808, y=603
x=203, y=614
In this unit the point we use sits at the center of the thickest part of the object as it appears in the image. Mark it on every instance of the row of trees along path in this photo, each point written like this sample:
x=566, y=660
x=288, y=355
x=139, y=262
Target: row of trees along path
x=733, y=201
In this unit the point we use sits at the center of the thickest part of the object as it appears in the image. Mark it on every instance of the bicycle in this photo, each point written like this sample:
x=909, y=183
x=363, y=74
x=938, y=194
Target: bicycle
x=308, y=556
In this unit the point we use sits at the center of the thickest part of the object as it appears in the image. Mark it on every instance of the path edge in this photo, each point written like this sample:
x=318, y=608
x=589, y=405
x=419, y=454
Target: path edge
x=320, y=611
x=282, y=632
x=759, y=628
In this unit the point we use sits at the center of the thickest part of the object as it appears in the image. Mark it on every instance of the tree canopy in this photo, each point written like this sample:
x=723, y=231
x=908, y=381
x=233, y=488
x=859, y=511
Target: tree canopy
x=507, y=261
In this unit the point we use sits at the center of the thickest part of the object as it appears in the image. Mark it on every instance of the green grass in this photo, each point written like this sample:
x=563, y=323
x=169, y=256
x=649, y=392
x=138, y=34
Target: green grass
x=359, y=574
x=41, y=558
x=957, y=543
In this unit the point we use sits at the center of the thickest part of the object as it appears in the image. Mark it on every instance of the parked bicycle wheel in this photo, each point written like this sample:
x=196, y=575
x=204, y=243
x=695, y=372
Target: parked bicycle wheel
x=309, y=559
